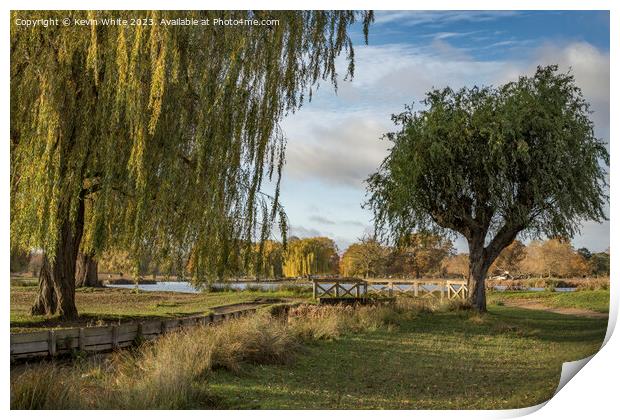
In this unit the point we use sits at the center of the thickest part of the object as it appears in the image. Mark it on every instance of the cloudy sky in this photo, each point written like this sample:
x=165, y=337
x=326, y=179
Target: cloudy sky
x=334, y=142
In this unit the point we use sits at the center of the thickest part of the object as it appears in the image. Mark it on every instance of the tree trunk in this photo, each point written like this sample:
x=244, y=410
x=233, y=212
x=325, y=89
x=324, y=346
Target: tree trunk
x=476, y=284
x=481, y=258
x=478, y=267
x=60, y=273
x=86, y=271
x=45, y=303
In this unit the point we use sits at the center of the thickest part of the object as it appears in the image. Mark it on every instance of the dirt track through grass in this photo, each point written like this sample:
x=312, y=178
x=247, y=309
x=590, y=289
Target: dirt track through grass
x=539, y=306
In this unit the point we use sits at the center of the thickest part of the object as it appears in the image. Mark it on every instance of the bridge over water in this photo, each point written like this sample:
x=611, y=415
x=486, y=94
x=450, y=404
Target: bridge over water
x=362, y=289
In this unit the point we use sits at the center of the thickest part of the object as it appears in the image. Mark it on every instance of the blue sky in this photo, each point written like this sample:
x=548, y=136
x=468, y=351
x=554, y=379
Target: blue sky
x=334, y=141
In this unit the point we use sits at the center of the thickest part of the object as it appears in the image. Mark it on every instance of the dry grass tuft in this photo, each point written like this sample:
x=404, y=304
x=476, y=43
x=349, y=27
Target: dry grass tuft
x=44, y=388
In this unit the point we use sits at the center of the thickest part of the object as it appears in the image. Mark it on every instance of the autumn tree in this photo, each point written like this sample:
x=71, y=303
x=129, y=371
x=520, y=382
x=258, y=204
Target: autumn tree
x=491, y=163
x=554, y=257
x=310, y=256
x=509, y=260
x=156, y=136
x=456, y=265
x=364, y=258
x=421, y=253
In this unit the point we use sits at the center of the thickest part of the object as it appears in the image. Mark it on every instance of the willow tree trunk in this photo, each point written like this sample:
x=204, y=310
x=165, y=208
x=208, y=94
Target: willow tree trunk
x=478, y=266
x=86, y=271
x=59, y=273
x=476, y=284
x=45, y=302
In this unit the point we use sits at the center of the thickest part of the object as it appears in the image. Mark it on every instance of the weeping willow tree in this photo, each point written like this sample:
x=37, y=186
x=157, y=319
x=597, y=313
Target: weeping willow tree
x=492, y=163
x=157, y=137
x=311, y=256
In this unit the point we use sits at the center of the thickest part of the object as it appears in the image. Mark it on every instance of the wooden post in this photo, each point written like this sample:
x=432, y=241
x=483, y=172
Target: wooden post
x=114, y=337
x=441, y=286
x=163, y=327
x=314, y=289
x=337, y=291
x=416, y=287
x=139, y=335
x=82, y=340
x=52, y=343
x=357, y=290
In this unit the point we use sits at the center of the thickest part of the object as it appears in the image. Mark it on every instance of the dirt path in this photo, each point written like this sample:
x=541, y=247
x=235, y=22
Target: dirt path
x=533, y=304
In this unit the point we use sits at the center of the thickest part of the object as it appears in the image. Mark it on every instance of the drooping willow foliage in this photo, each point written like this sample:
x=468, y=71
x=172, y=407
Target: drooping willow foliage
x=167, y=133
x=310, y=256
x=492, y=163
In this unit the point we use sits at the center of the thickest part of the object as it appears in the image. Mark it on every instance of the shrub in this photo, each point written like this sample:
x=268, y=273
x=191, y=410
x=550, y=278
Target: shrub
x=258, y=339
x=594, y=284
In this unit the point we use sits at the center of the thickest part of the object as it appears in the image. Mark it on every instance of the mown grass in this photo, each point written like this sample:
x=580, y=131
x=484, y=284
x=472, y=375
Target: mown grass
x=593, y=300
x=408, y=355
x=104, y=305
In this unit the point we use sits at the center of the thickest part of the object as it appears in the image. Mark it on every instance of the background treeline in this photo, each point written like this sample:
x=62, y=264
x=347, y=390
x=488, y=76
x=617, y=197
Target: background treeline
x=433, y=256
x=420, y=255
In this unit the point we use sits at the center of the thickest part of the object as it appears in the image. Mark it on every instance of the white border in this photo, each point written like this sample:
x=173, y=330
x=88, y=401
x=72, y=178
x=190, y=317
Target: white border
x=591, y=395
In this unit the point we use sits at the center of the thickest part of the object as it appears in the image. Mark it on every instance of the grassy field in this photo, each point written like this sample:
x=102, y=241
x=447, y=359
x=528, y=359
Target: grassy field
x=101, y=305
x=592, y=300
x=407, y=355
x=510, y=358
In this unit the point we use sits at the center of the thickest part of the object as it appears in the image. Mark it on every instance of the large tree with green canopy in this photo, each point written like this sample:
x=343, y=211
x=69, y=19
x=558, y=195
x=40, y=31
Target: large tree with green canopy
x=491, y=163
x=156, y=137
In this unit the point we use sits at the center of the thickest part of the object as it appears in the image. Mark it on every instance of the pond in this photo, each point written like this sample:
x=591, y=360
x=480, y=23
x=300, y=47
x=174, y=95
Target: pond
x=186, y=287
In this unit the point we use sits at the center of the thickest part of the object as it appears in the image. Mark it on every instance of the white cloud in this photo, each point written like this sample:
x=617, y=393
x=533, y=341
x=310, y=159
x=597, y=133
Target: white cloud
x=338, y=140
x=303, y=232
x=341, y=152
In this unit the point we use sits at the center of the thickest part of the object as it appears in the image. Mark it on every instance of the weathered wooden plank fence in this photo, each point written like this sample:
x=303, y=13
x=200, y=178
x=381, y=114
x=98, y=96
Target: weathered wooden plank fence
x=362, y=289
x=93, y=339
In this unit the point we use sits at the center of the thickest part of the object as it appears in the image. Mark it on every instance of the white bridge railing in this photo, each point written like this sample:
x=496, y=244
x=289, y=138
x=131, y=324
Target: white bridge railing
x=359, y=289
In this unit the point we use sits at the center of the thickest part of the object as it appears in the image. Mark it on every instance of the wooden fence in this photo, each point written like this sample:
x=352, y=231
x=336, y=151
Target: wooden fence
x=339, y=289
x=361, y=289
x=62, y=341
